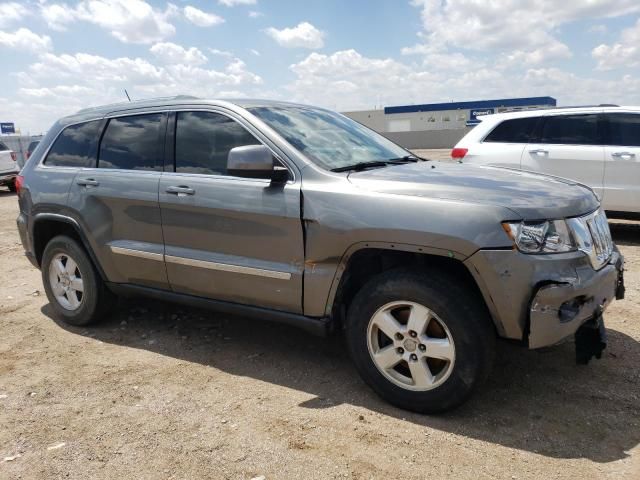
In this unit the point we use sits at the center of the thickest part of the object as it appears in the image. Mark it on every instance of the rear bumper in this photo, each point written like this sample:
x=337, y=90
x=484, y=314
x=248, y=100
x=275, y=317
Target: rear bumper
x=7, y=177
x=23, y=230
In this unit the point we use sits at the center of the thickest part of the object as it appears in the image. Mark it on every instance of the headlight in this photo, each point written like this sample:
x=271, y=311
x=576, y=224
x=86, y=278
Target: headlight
x=552, y=236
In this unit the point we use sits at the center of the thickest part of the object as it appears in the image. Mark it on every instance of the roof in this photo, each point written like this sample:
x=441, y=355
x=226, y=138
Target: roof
x=477, y=104
x=559, y=110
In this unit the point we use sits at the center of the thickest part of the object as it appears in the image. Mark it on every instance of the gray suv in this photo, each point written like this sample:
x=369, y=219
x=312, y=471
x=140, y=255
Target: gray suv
x=297, y=214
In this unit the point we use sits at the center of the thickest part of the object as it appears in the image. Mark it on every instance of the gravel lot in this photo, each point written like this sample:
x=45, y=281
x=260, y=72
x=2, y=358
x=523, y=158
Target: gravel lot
x=159, y=391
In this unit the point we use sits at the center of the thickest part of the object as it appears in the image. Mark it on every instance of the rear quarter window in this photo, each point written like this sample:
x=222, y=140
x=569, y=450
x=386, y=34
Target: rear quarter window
x=3, y=147
x=76, y=146
x=516, y=130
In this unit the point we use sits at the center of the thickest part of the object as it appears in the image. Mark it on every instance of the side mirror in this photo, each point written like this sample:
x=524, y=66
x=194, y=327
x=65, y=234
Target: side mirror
x=255, y=161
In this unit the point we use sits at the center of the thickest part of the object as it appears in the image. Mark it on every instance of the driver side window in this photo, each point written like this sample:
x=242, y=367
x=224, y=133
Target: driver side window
x=203, y=141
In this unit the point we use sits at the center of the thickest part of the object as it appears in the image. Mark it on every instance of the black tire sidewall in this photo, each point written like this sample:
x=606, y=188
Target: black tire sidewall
x=473, y=338
x=86, y=314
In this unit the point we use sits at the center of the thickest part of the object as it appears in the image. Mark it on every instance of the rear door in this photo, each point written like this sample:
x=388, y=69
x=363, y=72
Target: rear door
x=622, y=162
x=117, y=200
x=504, y=144
x=569, y=146
x=228, y=238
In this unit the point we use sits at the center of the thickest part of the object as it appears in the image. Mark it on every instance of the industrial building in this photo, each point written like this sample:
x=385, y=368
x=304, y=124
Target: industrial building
x=439, y=125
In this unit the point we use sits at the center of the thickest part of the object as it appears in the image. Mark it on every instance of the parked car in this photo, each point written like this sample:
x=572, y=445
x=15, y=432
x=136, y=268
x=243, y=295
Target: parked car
x=297, y=214
x=32, y=147
x=596, y=146
x=8, y=167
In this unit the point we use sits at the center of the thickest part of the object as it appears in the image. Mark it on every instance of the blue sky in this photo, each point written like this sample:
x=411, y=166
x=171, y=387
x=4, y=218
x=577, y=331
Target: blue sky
x=61, y=55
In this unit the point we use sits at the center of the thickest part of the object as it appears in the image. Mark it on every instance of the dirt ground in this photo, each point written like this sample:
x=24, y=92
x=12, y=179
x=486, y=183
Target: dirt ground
x=163, y=392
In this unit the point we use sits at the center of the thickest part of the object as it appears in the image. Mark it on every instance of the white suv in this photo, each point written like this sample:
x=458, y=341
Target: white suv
x=8, y=167
x=596, y=146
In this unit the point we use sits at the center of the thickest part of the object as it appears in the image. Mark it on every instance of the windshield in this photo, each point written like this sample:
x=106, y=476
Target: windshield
x=328, y=139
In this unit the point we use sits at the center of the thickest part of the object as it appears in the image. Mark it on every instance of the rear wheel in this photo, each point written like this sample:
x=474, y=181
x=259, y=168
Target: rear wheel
x=74, y=289
x=12, y=186
x=423, y=343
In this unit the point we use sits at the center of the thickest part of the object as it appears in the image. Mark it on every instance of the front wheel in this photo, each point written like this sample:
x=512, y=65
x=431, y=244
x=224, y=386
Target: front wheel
x=421, y=342
x=73, y=286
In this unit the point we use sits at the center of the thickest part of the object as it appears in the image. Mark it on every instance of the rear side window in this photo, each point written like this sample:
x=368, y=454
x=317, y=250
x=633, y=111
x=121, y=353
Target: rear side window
x=624, y=129
x=75, y=146
x=133, y=143
x=517, y=130
x=203, y=141
x=3, y=147
x=570, y=130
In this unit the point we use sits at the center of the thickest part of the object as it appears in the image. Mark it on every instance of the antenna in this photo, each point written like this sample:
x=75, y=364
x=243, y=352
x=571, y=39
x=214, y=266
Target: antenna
x=127, y=94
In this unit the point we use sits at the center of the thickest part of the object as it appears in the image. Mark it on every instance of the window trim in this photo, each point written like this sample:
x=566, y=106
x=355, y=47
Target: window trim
x=159, y=161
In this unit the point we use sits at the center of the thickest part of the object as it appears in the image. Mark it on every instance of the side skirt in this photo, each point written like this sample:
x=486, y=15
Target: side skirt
x=317, y=326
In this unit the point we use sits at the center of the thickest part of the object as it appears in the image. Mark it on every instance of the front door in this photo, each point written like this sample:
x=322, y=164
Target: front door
x=622, y=163
x=228, y=238
x=117, y=200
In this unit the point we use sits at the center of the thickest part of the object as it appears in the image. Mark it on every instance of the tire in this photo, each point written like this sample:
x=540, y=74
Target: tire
x=72, y=307
x=457, y=329
x=12, y=186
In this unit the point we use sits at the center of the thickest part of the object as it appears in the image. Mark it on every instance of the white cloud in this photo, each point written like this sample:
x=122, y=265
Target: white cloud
x=130, y=21
x=221, y=53
x=200, y=18
x=254, y=52
x=25, y=40
x=255, y=14
x=303, y=35
x=624, y=53
x=171, y=53
x=347, y=80
x=57, y=85
x=233, y=3
x=11, y=12
x=520, y=30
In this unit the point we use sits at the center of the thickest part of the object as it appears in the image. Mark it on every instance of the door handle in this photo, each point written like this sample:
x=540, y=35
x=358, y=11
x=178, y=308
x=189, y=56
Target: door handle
x=181, y=190
x=87, y=182
x=539, y=151
x=623, y=155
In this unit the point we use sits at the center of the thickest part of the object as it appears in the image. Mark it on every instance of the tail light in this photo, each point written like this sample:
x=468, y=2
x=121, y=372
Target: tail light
x=13, y=156
x=459, y=153
x=19, y=183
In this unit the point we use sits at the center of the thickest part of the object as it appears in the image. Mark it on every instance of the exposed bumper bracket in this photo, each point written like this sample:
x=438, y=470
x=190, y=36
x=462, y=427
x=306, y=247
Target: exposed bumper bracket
x=591, y=339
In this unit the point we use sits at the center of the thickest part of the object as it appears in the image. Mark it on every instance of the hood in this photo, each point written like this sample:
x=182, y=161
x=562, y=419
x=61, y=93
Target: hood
x=530, y=196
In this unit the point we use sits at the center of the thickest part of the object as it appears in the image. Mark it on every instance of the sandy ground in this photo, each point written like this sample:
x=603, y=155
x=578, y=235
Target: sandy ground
x=158, y=391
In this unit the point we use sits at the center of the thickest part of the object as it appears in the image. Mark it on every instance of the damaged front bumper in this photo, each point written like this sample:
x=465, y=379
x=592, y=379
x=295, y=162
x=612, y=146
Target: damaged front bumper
x=544, y=299
x=558, y=310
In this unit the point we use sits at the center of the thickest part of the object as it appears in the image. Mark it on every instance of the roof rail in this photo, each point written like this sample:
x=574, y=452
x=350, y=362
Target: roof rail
x=142, y=100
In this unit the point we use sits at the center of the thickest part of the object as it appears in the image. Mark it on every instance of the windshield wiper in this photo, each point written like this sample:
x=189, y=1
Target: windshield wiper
x=361, y=166
x=407, y=158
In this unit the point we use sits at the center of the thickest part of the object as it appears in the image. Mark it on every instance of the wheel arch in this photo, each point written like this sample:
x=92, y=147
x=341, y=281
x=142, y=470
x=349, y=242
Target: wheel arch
x=366, y=259
x=46, y=226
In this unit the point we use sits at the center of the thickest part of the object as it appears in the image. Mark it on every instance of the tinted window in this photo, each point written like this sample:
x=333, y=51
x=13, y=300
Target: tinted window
x=132, y=143
x=75, y=146
x=624, y=129
x=517, y=130
x=32, y=146
x=570, y=130
x=3, y=147
x=203, y=141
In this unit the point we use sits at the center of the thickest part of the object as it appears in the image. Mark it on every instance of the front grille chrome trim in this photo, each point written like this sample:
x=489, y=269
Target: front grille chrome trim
x=593, y=237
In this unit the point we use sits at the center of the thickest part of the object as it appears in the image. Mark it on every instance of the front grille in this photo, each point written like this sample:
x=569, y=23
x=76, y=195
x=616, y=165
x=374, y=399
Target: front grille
x=593, y=237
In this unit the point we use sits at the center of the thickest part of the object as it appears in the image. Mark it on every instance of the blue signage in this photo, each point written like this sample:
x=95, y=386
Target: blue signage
x=474, y=114
x=7, y=127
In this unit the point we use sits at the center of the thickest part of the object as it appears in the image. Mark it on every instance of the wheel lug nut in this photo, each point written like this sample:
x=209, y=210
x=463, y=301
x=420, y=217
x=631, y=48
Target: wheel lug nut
x=399, y=336
x=422, y=347
x=413, y=334
x=400, y=350
x=414, y=357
